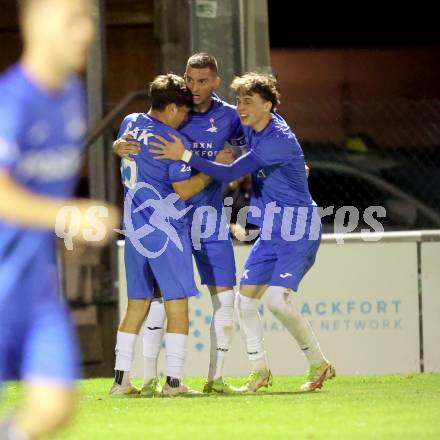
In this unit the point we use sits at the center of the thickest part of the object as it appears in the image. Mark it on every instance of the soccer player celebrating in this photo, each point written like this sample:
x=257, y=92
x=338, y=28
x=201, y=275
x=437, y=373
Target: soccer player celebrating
x=277, y=261
x=42, y=124
x=211, y=124
x=152, y=204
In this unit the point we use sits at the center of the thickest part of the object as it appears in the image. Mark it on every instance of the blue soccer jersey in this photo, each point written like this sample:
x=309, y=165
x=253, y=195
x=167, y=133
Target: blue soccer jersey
x=281, y=177
x=276, y=162
x=281, y=196
x=40, y=147
x=153, y=178
x=41, y=136
x=152, y=206
x=208, y=133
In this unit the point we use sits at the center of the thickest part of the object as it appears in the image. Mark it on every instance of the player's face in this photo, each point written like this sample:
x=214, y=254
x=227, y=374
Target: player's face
x=201, y=83
x=63, y=29
x=252, y=109
x=179, y=116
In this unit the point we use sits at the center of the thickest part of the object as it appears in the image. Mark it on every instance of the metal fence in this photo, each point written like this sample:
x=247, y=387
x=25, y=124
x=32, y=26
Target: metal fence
x=373, y=153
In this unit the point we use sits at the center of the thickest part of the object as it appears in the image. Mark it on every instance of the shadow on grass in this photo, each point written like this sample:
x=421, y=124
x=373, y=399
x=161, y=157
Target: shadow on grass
x=225, y=396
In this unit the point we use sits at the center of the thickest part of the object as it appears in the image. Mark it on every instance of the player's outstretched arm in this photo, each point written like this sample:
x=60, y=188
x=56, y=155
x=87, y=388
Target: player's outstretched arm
x=175, y=150
x=28, y=209
x=190, y=187
x=21, y=206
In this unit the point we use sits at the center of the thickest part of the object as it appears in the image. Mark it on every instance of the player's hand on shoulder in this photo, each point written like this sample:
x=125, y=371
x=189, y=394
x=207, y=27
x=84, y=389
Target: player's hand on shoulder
x=225, y=156
x=167, y=149
x=126, y=145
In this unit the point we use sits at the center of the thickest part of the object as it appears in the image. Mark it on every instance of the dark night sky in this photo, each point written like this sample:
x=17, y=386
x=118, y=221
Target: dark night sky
x=367, y=25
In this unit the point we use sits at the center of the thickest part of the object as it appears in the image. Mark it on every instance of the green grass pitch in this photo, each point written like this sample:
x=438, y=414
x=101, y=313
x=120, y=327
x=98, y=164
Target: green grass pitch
x=349, y=407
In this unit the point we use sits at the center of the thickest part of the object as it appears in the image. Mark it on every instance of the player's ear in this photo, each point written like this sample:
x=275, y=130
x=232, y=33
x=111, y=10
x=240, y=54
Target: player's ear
x=217, y=82
x=171, y=108
x=267, y=106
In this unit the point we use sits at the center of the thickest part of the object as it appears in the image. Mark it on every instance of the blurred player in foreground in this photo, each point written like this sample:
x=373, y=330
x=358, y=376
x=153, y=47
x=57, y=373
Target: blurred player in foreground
x=42, y=124
x=278, y=261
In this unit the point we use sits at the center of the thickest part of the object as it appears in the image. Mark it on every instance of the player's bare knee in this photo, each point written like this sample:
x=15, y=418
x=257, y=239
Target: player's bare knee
x=61, y=412
x=177, y=323
x=139, y=306
x=137, y=310
x=131, y=323
x=177, y=312
x=53, y=410
x=216, y=290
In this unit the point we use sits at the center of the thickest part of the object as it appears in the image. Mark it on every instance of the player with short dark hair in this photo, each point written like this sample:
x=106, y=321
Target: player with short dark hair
x=163, y=254
x=211, y=124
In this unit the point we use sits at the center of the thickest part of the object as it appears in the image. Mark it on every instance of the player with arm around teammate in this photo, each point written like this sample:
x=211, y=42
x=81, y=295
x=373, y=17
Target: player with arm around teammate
x=157, y=245
x=280, y=194
x=212, y=124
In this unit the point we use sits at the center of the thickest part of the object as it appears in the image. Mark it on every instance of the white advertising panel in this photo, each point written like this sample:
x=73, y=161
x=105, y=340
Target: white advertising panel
x=431, y=305
x=361, y=299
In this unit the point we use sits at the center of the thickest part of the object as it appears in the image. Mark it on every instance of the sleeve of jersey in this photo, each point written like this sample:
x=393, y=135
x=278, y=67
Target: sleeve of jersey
x=9, y=136
x=225, y=173
x=274, y=152
x=178, y=171
x=237, y=138
x=129, y=119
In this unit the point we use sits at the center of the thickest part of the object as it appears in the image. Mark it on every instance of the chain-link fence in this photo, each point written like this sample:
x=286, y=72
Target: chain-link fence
x=373, y=153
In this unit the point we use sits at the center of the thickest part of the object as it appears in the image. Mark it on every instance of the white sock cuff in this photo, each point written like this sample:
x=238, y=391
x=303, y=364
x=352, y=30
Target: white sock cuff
x=223, y=299
x=175, y=345
x=151, y=350
x=156, y=315
x=246, y=303
x=175, y=340
x=125, y=344
x=125, y=340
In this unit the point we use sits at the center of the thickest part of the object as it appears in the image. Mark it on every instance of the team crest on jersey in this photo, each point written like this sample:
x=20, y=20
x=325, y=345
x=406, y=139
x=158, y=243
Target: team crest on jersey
x=213, y=128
